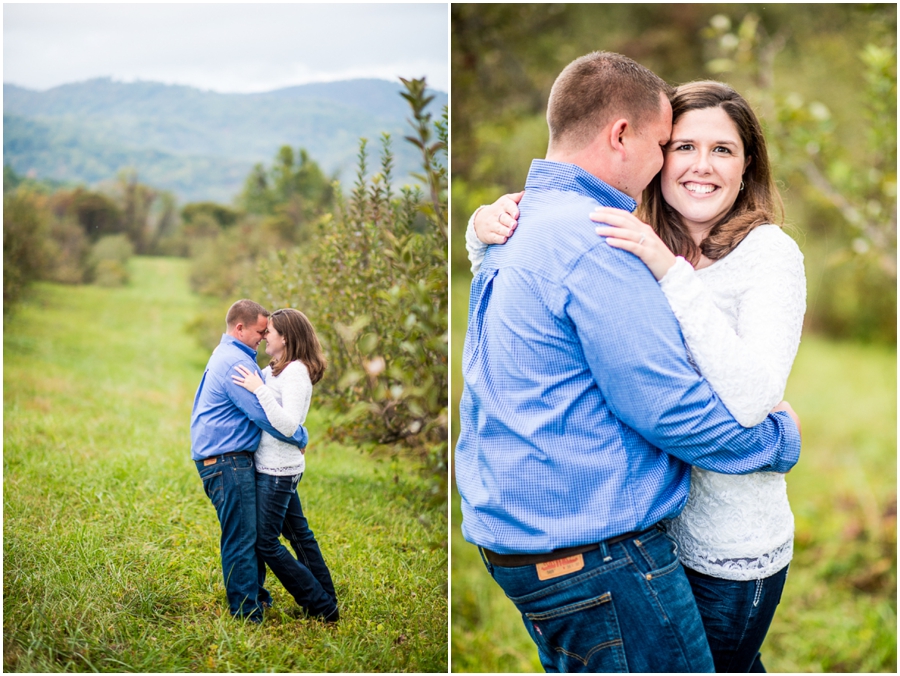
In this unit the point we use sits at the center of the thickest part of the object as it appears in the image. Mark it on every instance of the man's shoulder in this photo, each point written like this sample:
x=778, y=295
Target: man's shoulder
x=556, y=229
x=557, y=203
x=227, y=355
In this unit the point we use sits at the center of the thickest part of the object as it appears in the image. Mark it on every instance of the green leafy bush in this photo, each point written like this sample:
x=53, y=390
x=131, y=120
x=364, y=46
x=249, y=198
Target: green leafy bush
x=279, y=207
x=373, y=281
x=849, y=189
x=224, y=261
x=25, y=255
x=109, y=260
x=42, y=239
x=69, y=250
x=291, y=196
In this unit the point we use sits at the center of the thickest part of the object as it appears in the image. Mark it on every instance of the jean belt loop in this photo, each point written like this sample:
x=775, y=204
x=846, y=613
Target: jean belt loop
x=604, y=551
x=487, y=563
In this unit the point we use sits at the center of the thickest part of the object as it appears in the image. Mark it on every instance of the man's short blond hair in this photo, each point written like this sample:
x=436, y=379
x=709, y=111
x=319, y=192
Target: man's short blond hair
x=244, y=312
x=596, y=89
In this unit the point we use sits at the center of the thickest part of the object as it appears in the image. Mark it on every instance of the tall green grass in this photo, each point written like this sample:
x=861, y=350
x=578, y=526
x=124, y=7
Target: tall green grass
x=111, y=547
x=839, y=608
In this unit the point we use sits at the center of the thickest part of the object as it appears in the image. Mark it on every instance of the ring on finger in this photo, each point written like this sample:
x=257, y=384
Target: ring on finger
x=641, y=240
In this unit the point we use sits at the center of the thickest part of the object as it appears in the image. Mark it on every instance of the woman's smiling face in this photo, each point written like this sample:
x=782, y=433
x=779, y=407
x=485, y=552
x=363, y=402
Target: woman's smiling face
x=704, y=163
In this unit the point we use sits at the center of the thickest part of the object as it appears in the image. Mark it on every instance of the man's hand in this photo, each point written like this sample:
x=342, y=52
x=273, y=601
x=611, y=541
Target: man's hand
x=495, y=223
x=784, y=406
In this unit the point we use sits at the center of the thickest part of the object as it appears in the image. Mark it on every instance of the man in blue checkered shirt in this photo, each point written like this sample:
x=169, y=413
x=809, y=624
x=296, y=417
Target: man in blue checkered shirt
x=581, y=415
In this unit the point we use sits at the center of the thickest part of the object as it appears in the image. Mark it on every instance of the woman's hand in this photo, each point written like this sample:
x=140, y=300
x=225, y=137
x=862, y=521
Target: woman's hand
x=495, y=223
x=248, y=379
x=625, y=231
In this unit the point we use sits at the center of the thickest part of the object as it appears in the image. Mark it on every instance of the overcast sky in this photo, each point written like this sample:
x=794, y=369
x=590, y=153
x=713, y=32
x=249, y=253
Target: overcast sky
x=224, y=47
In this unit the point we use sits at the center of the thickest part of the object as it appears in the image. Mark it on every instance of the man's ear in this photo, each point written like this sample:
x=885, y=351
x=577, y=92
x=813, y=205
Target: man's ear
x=616, y=132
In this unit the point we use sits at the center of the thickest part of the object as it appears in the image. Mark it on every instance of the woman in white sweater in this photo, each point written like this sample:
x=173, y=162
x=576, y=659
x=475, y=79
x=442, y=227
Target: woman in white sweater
x=736, y=284
x=297, y=364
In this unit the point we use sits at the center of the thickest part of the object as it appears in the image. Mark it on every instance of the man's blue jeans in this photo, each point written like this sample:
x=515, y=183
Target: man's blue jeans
x=230, y=484
x=630, y=608
x=736, y=616
x=306, y=578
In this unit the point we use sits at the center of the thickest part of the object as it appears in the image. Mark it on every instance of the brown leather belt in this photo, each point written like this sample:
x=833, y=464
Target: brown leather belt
x=513, y=560
x=232, y=454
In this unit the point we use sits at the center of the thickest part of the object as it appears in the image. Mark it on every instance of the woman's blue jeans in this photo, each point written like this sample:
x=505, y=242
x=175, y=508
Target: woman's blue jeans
x=306, y=578
x=736, y=616
x=630, y=608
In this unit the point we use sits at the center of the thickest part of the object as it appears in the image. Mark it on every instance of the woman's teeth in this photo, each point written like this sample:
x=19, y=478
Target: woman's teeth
x=700, y=188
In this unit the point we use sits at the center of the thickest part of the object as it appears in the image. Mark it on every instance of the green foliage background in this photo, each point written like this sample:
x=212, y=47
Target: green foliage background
x=823, y=80
x=821, y=77
x=369, y=269
x=375, y=277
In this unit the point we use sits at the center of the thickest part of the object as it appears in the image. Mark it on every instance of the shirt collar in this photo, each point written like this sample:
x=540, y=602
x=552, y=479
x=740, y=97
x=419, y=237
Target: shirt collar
x=551, y=175
x=231, y=340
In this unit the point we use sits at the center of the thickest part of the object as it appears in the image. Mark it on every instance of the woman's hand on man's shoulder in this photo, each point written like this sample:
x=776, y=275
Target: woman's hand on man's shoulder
x=495, y=223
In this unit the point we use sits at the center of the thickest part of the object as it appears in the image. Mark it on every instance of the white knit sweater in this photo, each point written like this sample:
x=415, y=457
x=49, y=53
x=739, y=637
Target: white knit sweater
x=285, y=399
x=741, y=318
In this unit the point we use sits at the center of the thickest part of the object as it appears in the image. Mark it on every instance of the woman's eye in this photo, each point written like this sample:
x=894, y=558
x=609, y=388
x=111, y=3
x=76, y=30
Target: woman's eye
x=723, y=149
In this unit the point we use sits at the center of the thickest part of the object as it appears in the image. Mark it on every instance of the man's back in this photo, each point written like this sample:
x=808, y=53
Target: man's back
x=217, y=424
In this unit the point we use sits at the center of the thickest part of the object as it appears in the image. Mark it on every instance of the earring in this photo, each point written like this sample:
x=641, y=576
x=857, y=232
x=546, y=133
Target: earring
x=742, y=185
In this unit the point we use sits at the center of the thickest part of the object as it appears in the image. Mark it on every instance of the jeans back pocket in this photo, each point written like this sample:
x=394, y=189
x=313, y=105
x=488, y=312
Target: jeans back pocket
x=579, y=637
x=214, y=488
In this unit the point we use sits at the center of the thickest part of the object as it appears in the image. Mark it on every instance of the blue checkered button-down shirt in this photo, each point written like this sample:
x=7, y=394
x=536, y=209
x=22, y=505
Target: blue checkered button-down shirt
x=580, y=411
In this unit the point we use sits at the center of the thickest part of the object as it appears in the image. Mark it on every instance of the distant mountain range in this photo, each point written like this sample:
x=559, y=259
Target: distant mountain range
x=201, y=145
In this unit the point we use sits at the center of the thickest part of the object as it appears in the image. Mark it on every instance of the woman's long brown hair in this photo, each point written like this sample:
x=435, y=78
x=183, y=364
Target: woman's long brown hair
x=757, y=204
x=300, y=343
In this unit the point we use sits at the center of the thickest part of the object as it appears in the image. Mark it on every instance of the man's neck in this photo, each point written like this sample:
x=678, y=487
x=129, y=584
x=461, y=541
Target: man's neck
x=587, y=160
x=240, y=342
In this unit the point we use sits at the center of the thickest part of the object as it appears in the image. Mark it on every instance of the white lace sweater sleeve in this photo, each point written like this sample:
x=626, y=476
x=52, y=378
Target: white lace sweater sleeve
x=296, y=392
x=475, y=246
x=743, y=333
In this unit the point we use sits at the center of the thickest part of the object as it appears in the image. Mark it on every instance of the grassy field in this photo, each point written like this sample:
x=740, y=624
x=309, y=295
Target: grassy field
x=839, y=609
x=111, y=547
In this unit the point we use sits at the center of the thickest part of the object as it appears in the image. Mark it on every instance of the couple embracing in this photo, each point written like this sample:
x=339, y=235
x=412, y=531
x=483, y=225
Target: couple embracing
x=623, y=443
x=248, y=443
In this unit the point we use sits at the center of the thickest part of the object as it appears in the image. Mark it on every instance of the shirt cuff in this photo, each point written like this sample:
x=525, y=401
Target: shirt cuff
x=791, y=436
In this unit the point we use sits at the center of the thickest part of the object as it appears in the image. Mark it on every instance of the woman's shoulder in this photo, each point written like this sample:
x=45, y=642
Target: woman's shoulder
x=769, y=238
x=296, y=370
